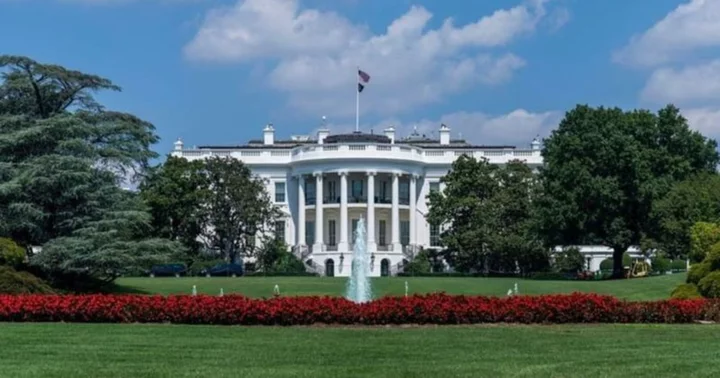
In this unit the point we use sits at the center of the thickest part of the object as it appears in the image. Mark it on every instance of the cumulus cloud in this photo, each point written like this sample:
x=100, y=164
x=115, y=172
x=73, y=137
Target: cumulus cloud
x=688, y=29
x=695, y=83
x=317, y=53
x=516, y=128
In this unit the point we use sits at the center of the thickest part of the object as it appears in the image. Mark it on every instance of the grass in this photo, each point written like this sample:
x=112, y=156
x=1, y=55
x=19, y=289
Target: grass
x=635, y=289
x=102, y=350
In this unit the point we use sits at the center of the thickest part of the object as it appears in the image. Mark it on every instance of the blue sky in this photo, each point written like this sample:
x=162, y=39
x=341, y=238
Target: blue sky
x=496, y=71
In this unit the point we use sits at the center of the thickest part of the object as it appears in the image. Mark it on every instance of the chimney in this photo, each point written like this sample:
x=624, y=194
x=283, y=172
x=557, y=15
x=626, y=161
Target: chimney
x=322, y=134
x=178, y=144
x=444, y=134
x=269, y=134
x=535, y=145
x=390, y=133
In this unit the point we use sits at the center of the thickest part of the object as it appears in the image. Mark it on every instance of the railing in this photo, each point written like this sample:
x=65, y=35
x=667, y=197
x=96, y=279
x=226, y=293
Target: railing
x=384, y=248
x=301, y=252
x=410, y=251
x=350, y=150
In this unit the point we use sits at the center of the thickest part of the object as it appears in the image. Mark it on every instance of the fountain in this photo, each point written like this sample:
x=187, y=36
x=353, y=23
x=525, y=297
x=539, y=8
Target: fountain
x=358, y=286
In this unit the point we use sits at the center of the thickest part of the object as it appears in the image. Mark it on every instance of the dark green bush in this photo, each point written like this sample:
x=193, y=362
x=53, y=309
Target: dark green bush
x=14, y=282
x=709, y=286
x=420, y=264
x=697, y=272
x=570, y=260
x=686, y=291
x=552, y=276
x=660, y=264
x=10, y=253
x=607, y=264
x=678, y=265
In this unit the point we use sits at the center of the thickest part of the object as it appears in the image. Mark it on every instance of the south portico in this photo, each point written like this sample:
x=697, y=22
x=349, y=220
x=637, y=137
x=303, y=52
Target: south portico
x=331, y=202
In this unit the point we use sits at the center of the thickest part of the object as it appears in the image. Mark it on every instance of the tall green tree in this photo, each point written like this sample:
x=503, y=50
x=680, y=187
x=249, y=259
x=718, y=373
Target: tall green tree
x=62, y=157
x=696, y=199
x=488, y=212
x=175, y=192
x=604, y=169
x=238, y=209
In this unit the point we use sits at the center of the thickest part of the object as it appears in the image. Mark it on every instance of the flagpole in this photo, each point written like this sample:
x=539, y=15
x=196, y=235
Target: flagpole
x=357, y=101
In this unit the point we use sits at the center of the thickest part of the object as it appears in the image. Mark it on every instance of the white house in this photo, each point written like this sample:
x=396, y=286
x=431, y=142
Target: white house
x=324, y=185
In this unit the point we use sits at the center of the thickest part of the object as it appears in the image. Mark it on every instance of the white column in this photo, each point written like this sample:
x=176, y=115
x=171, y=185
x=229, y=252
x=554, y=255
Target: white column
x=413, y=197
x=395, y=234
x=343, y=244
x=301, y=211
x=319, y=222
x=370, y=227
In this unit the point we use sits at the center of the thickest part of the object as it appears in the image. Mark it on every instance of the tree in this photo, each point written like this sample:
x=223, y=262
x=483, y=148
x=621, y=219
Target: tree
x=694, y=200
x=513, y=244
x=488, y=211
x=175, y=192
x=238, y=208
x=108, y=247
x=62, y=157
x=604, y=169
x=463, y=207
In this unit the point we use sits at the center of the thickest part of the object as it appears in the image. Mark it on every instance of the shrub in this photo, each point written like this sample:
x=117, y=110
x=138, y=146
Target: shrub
x=14, y=282
x=703, y=235
x=570, y=260
x=286, y=311
x=11, y=253
x=198, y=266
x=288, y=263
x=709, y=286
x=697, y=272
x=551, y=276
x=420, y=264
x=607, y=264
x=660, y=264
x=686, y=291
x=678, y=265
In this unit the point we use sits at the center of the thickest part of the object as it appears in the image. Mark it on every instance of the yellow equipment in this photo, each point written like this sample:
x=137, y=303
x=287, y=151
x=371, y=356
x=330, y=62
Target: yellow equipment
x=639, y=269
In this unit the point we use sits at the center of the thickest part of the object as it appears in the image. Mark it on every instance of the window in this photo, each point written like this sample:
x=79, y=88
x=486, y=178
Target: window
x=384, y=198
x=309, y=193
x=382, y=232
x=331, y=232
x=332, y=192
x=434, y=187
x=404, y=232
x=357, y=189
x=404, y=192
x=280, y=231
x=434, y=235
x=352, y=231
x=310, y=232
x=280, y=192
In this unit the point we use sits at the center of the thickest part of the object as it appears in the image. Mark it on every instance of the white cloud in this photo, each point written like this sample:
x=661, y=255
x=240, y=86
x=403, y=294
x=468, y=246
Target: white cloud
x=705, y=120
x=688, y=28
x=690, y=84
x=317, y=53
x=674, y=48
x=516, y=128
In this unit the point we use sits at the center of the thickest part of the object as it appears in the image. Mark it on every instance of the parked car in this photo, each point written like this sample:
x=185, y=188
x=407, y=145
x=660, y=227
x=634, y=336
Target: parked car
x=227, y=270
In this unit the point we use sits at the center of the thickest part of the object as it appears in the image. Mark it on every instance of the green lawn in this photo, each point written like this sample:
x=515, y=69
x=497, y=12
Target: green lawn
x=635, y=289
x=100, y=350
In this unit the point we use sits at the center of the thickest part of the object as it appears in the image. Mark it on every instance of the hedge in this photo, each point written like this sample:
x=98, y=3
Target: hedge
x=287, y=311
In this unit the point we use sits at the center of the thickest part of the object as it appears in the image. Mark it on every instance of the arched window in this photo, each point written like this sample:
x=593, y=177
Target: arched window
x=384, y=267
x=329, y=268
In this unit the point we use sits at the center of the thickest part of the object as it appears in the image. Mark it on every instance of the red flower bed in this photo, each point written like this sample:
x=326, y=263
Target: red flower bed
x=419, y=309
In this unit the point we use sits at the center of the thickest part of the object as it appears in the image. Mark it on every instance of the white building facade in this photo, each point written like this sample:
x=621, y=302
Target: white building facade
x=325, y=185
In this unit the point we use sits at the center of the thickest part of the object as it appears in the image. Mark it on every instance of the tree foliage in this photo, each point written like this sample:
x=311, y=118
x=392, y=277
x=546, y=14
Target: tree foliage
x=694, y=200
x=175, y=192
x=62, y=158
x=238, y=208
x=487, y=211
x=605, y=168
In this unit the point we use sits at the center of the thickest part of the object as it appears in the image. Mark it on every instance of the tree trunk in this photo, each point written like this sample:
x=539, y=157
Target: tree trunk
x=618, y=269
